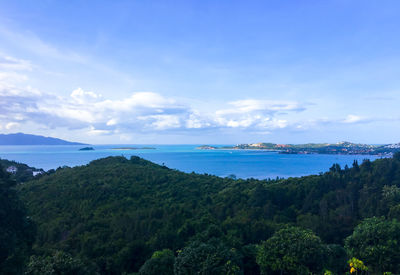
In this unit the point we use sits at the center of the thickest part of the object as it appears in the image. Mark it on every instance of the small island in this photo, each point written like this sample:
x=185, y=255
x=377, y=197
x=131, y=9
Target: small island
x=86, y=149
x=206, y=147
x=134, y=148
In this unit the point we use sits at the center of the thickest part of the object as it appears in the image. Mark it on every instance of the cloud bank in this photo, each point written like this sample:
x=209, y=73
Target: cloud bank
x=141, y=111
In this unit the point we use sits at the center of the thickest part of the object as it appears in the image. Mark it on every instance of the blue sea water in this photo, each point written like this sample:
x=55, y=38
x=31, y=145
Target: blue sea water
x=242, y=163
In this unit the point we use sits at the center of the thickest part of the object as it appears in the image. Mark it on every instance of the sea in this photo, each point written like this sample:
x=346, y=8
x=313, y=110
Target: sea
x=258, y=164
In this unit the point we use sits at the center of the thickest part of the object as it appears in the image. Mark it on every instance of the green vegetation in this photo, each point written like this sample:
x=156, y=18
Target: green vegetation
x=292, y=250
x=376, y=241
x=162, y=262
x=345, y=148
x=17, y=232
x=212, y=257
x=86, y=149
x=23, y=172
x=116, y=216
x=58, y=263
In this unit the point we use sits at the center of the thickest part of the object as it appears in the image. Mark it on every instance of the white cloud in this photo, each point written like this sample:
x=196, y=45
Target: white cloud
x=147, y=112
x=112, y=122
x=140, y=112
x=347, y=120
x=12, y=125
x=30, y=42
x=12, y=73
x=261, y=106
x=274, y=123
x=96, y=132
x=82, y=97
x=10, y=63
x=256, y=114
x=352, y=119
x=195, y=121
x=163, y=122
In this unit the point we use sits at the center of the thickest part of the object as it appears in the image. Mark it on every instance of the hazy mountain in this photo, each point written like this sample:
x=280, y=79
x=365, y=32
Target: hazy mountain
x=26, y=139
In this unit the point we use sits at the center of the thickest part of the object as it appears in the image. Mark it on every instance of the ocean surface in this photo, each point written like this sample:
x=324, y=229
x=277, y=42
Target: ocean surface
x=241, y=163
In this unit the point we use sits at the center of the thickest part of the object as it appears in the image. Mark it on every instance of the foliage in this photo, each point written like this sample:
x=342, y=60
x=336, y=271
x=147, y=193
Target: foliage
x=336, y=259
x=356, y=265
x=59, y=263
x=117, y=212
x=207, y=258
x=292, y=250
x=162, y=262
x=16, y=229
x=24, y=172
x=376, y=242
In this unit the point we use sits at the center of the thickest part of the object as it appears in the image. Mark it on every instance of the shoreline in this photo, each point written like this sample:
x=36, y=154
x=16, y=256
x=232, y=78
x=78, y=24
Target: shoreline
x=283, y=152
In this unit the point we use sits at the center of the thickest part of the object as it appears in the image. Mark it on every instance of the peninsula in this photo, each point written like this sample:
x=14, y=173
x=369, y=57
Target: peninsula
x=344, y=148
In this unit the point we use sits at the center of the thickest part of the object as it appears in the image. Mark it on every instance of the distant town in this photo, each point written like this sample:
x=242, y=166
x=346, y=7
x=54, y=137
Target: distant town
x=345, y=148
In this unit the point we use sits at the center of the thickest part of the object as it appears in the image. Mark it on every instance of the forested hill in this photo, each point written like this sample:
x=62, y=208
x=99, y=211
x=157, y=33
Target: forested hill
x=22, y=171
x=124, y=215
x=27, y=139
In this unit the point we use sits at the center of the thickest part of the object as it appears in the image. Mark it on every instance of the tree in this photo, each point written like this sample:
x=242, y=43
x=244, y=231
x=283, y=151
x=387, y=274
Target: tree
x=161, y=262
x=117, y=212
x=292, y=250
x=357, y=265
x=376, y=241
x=60, y=263
x=206, y=259
x=17, y=231
x=249, y=253
x=336, y=259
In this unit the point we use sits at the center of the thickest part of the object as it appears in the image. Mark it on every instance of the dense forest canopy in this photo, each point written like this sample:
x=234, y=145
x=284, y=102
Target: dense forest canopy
x=117, y=216
x=21, y=172
x=17, y=231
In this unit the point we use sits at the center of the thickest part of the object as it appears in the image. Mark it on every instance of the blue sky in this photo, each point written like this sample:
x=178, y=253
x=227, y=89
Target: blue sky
x=201, y=71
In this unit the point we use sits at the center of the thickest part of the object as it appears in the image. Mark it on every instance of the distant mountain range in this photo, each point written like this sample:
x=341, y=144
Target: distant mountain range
x=26, y=139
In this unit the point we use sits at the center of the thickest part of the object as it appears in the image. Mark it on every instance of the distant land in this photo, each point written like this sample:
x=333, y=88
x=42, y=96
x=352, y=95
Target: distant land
x=344, y=147
x=27, y=139
x=87, y=149
x=207, y=147
x=133, y=148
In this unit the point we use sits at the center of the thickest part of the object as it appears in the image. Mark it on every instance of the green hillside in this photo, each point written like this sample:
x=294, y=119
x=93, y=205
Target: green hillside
x=118, y=215
x=23, y=172
x=17, y=231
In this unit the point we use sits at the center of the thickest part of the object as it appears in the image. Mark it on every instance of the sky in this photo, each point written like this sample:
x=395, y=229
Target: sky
x=201, y=72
